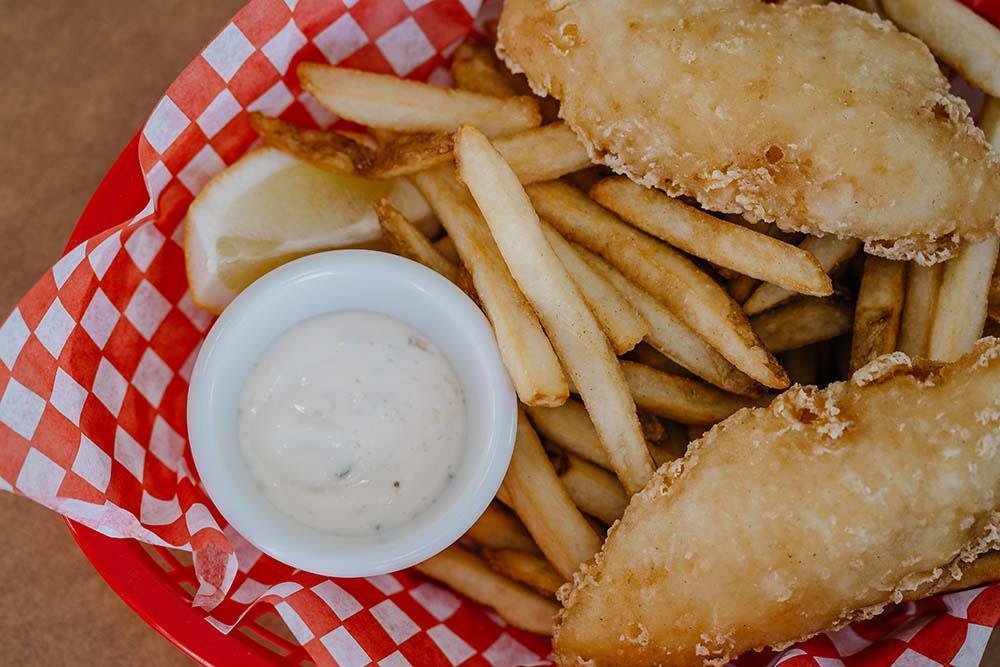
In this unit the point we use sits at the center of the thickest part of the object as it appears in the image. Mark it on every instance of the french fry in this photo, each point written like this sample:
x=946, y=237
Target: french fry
x=569, y=323
x=525, y=349
x=446, y=247
x=802, y=365
x=831, y=252
x=922, y=289
x=526, y=568
x=538, y=497
x=469, y=574
x=803, y=322
x=956, y=34
x=543, y=153
x=622, y=324
x=652, y=429
x=475, y=67
x=665, y=454
x=498, y=529
x=594, y=490
x=679, y=398
x=878, y=310
x=741, y=287
x=983, y=570
x=402, y=238
x=674, y=339
x=724, y=244
x=384, y=101
x=569, y=427
x=994, y=298
x=963, y=300
x=644, y=353
x=673, y=279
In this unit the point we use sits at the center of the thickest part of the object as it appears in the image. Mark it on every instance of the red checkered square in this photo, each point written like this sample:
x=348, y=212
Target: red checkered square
x=261, y=21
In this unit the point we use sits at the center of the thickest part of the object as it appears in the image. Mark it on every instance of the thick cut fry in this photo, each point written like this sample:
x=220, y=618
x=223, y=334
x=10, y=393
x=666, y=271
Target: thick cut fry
x=878, y=310
x=541, y=502
x=994, y=304
x=446, y=247
x=529, y=569
x=922, y=287
x=840, y=500
x=674, y=339
x=475, y=67
x=498, y=529
x=468, y=574
x=722, y=243
x=569, y=427
x=644, y=353
x=955, y=34
x=526, y=351
x=741, y=287
x=594, y=490
x=831, y=252
x=388, y=102
x=622, y=324
x=803, y=322
x=672, y=278
x=679, y=398
x=569, y=323
x=402, y=238
x=543, y=153
x=963, y=300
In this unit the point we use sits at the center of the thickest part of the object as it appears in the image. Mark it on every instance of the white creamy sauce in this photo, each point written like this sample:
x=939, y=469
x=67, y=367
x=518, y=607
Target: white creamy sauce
x=352, y=422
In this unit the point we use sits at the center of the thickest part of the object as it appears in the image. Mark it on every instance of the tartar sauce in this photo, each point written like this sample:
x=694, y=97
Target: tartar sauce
x=352, y=422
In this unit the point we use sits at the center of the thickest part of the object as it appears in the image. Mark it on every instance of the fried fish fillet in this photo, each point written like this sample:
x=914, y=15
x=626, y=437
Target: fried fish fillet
x=821, y=118
x=785, y=521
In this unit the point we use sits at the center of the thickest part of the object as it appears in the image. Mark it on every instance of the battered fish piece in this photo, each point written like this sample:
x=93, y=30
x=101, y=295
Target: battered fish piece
x=789, y=520
x=821, y=118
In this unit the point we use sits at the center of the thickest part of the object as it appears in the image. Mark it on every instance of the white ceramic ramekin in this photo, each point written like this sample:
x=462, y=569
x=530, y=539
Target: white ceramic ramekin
x=340, y=281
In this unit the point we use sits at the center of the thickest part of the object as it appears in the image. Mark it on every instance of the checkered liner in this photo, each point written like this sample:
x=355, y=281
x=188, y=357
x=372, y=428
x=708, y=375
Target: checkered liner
x=95, y=362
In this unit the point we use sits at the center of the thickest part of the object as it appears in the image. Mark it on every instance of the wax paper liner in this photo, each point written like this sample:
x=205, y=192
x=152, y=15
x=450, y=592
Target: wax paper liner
x=95, y=361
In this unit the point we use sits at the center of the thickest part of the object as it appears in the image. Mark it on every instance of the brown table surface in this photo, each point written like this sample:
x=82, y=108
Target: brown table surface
x=78, y=79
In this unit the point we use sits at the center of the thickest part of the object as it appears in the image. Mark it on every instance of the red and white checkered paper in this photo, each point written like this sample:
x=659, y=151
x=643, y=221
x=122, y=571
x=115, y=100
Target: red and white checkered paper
x=95, y=362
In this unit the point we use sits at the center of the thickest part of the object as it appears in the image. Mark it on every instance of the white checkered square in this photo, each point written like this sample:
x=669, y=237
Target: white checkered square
x=109, y=386
x=198, y=517
x=92, y=464
x=20, y=409
x=203, y=166
x=405, y=46
x=40, y=476
x=342, y=38
x=910, y=658
x=201, y=319
x=129, y=453
x=156, y=512
x=55, y=328
x=13, y=335
x=165, y=124
x=472, y=6
x=104, y=253
x=386, y=583
x=152, y=376
x=247, y=554
x=249, y=590
x=340, y=601
x=453, y=646
x=438, y=602
x=67, y=264
x=218, y=113
x=227, y=52
x=394, y=621
x=146, y=309
x=157, y=179
x=507, y=651
x=394, y=660
x=165, y=443
x=143, y=244
x=100, y=318
x=275, y=99
x=344, y=649
x=976, y=639
x=319, y=113
x=68, y=396
x=294, y=622
x=291, y=4
x=285, y=589
x=281, y=48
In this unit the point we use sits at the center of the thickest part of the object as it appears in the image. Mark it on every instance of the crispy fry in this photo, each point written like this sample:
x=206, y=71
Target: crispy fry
x=878, y=310
x=622, y=324
x=672, y=278
x=498, y=529
x=831, y=252
x=540, y=500
x=802, y=322
x=543, y=153
x=569, y=427
x=919, y=304
x=526, y=351
x=644, y=353
x=527, y=568
x=671, y=337
x=741, y=287
x=963, y=300
x=446, y=247
x=476, y=67
x=652, y=429
x=994, y=305
x=383, y=101
x=468, y=574
x=678, y=398
x=956, y=35
x=569, y=323
x=402, y=238
x=724, y=244
x=594, y=490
